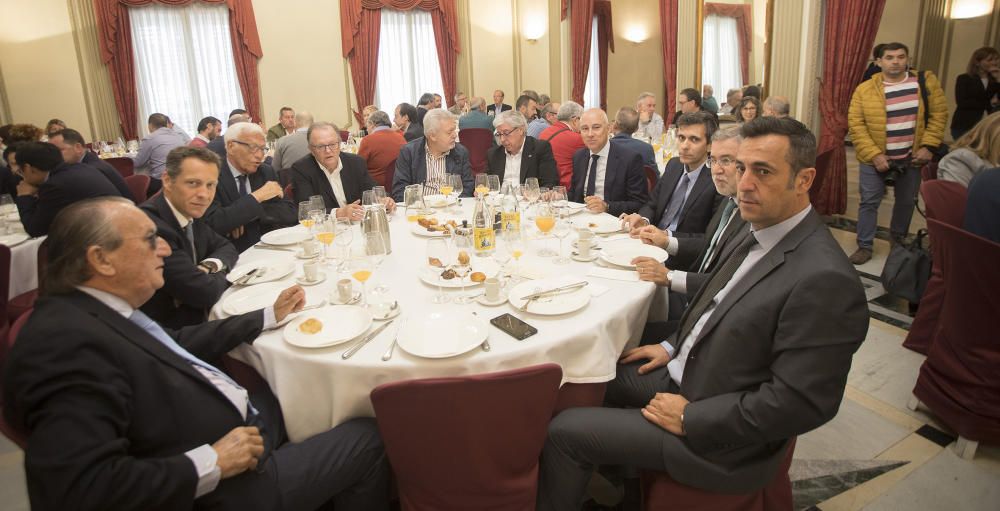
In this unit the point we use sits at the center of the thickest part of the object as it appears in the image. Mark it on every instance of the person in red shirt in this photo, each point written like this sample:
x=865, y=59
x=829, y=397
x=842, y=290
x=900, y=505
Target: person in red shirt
x=564, y=137
x=381, y=146
x=208, y=129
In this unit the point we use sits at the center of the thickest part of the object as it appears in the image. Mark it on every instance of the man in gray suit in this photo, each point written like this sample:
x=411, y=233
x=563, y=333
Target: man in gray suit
x=433, y=156
x=761, y=356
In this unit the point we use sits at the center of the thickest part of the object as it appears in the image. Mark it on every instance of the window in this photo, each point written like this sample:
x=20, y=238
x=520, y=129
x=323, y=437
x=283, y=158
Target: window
x=407, y=59
x=184, y=63
x=721, y=56
x=592, y=89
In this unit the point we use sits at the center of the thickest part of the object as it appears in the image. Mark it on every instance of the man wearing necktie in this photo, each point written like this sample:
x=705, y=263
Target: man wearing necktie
x=123, y=414
x=606, y=177
x=194, y=274
x=761, y=356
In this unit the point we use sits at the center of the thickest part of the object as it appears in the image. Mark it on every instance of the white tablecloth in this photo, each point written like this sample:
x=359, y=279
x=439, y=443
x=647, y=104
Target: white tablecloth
x=318, y=389
x=24, y=267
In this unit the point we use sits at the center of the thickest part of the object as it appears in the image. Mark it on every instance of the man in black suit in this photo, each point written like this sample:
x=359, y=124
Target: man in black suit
x=607, y=177
x=74, y=150
x=123, y=414
x=218, y=144
x=498, y=105
x=338, y=177
x=761, y=356
x=519, y=156
x=406, y=120
x=249, y=201
x=49, y=185
x=438, y=150
x=684, y=199
x=194, y=273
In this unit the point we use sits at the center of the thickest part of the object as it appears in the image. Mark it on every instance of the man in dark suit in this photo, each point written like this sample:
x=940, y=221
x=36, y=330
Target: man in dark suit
x=684, y=199
x=607, y=177
x=194, y=273
x=762, y=354
x=249, y=201
x=218, y=144
x=525, y=156
x=49, y=185
x=338, y=177
x=434, y=156
x=123, y=414
x=74, y=150
x=498, y=105
x=982, y=209
x=626, y=122
x=405, y=119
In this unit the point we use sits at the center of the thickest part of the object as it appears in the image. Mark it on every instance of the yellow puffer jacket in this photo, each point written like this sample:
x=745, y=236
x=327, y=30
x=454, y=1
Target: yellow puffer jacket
x=866, y=117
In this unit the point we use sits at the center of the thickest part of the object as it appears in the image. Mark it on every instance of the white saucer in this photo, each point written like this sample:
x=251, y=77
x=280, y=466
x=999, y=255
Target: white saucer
x=336, y=301
x=481, y=300
x=301, y=255
x=320, y=277
x=391, y=313
x=576, y=257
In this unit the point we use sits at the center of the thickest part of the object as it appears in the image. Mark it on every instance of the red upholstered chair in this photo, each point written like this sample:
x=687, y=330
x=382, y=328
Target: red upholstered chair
x=652, y=176
x=929, y=171
x=661, y=492
x=389, y=171
x=344, y=135
x=477, y=141
x=138, y=184
x=470, y=442
x=959, y=380
x=9, y=335
x=124, y=166
x=944, y=201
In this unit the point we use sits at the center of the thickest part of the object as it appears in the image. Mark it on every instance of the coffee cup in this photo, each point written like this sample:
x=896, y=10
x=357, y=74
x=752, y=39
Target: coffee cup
x=345, y=290
x=311, y=271
x=492, y=289
x=583, y=247
x=310, y=248
x=585, y=234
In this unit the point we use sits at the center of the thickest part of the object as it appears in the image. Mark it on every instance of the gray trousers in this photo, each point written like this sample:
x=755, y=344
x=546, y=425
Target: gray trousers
x=872, y=187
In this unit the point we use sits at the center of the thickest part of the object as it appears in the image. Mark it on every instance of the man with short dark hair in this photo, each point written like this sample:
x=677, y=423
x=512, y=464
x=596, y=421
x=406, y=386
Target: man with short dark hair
x=285, y=126
x=626, y=122
x=405, y=119
x=546, y=117
x=425, y=103
x=208, y=129
x=74, y=150
x=498, y=104
x=607, y=177
x=437, y=101
x=153, y=149
x=688, y=102
x=527, y=106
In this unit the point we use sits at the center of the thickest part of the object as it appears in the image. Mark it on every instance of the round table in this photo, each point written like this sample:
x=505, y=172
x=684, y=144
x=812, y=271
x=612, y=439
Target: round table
x=318, y=389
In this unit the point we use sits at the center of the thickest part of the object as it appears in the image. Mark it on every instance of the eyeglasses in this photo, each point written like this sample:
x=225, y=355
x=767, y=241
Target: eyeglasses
x=254, y=148
x=505, y=134
x=725, y=162
x=325, y=147
x=151, y=239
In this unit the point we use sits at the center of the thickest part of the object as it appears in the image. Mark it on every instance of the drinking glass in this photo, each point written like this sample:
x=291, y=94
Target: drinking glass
x=367, y=199
x=305, y=214
x=455, y=180
x=413, y=201
x=461, y=263
x=502, y=252
x=515, y=240
x=437, y=251
x=325, y=233
x=380, y=196
x=558, y=198
x=361, y=270
x=561, y=230
x=482, y=185
x=343, y=234
x=493, y=181
x=545, y=221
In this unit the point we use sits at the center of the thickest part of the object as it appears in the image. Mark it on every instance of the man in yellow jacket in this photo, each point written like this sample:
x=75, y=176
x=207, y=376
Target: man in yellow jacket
x=894, y=126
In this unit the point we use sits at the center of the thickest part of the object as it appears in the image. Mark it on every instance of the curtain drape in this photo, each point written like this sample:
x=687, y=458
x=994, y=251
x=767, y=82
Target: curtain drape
x=668, y=28
x=409, y=70
x=115, y=35
x=850, y=29
x=605, y=42
x=581, y=20
x=744, y=30
x=720, y=61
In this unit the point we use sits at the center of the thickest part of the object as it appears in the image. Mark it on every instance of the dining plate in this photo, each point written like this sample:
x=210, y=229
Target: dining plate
x=252, y=298
x=602, y=223
x=439, y=334
x=621, y=254
x=337, y=324
x=273, y=268
x=286, y=236
x=573, y=208
x=13, y=238
x=420, y=230
x=484, y=265
x=550, y=305
x=439, y=201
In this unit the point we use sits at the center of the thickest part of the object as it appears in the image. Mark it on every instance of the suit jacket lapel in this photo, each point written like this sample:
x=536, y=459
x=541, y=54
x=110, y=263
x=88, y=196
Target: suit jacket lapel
x=498, y=161
x=669, y=182
x=348, y=180
x=420, y=166
x=227, y=184
x=322, y=183
x=167, y=215
x=698, y=187
x=529, y=167
x=610, y=176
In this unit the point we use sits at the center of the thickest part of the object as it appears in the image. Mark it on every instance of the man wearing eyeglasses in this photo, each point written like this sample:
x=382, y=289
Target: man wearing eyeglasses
x=519, y=156
x=249, y=201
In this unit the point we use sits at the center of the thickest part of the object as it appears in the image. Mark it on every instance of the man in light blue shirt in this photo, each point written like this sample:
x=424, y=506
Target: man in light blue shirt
x=476, y=118
x=546, y=117
x=155, y=147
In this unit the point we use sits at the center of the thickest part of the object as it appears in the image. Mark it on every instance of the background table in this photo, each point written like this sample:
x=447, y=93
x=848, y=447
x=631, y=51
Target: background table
x=24, y=267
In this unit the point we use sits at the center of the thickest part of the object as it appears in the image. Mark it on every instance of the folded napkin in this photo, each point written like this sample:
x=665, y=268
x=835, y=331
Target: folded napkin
x=608, y=273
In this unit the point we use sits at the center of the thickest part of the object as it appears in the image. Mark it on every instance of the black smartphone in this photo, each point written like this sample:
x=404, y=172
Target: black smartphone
x=515, y=327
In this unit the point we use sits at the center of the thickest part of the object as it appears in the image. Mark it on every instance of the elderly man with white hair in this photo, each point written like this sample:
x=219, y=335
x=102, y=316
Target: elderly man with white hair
x=432, y=157
x=650, y=122
x=733, y=98
x=520, y=156
x=776, y=106
x=249, y=201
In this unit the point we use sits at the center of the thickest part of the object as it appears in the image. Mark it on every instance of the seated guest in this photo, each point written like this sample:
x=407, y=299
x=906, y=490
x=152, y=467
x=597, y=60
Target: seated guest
x=752, y=91
x=194, y=274
x=650, y=122
x=972, y=153
x=434, y=156
x=49, y=185
x=684, y=199
x=381, y=146
x=10, y=174
x=461, y=105
x=748, y=110
x=208, y=129
x=111, y=401
x=532, y=94
x=23, y=133
x=153, y=149
x=526, y=106
x=761, y=355
x=365, y=112
x=53, y=126
x=982, y=210
x=688, y=102
x=339, y=177
x=425, y=103
x=733, y=98
x=285, y=126
x=476, y=117
x=776, y=106
x=294, y=147
x=546, y=117
x=437, y=101
x=564, y=137
x=498, y=104
x=218, y=144
x=519, y=156
x=606, y=177
x=248, y=201
x=708, y=102
x=626, y=122
x=405, y=121
x=74, y=150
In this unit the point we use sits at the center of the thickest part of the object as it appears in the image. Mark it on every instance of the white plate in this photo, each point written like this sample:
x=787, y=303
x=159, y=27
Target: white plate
x=485, y=265
x=439, y=201
x=13, y=238
x=440, y=335
x=301, y=279
x=549, y=306
x=249, y=299
x=341, y=323
x=573, y=208
x=274, y=269
x=419, y=230
x=482, y=300
x=621, y=254
x=286, y=236
x=601, y=224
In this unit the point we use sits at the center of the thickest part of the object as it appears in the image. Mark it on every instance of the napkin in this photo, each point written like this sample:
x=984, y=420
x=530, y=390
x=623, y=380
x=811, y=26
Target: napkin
x=608, y=273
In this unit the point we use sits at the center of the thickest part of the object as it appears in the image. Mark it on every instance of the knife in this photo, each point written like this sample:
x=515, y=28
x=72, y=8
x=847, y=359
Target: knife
x=246, y=277
x=354, y=349
x=557, y=290
x=273, y=247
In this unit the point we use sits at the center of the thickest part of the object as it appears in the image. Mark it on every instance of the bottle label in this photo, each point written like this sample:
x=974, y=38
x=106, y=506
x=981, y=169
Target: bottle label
x=511, y=221
x=483, y=238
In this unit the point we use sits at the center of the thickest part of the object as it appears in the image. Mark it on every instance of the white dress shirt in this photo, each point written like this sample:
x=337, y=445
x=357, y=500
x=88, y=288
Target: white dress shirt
x=335, y=182
x=512, y=169
x=183, y=220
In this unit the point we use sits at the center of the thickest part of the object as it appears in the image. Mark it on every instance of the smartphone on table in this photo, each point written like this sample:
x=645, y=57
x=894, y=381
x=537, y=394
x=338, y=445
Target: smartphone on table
x=513, y=326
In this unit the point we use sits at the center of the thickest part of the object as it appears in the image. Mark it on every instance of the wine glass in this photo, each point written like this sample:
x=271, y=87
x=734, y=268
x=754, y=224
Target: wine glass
x=379, y=194
x=455, y=181
x=305, y=214
x=561, y=230
x=493, y=181
x=482, y=185
x=367, y=199
x=515, y=240
x=343, y=234
x=325, y=233
x=461, y=263
x=545, y=221
x=558, y=198
x=438, y=260
x=502, y=252
x=363, y=267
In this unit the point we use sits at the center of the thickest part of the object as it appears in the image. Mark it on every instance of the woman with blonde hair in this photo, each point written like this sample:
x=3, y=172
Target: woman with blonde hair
x=974, y=152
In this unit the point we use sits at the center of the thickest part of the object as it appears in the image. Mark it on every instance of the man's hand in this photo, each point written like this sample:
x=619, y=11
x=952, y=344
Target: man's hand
x=922, y=156
x=651, y=235
x=289, y=301
x=237, y=233
x=881, y=163
x=353, y=211
x=632, y=222
x=656, y=354
x=26, y=188
x=238, y=451
x=651, y=270
x=390, y=205
x=595, y=204
x=270, y=190
x=665, y=411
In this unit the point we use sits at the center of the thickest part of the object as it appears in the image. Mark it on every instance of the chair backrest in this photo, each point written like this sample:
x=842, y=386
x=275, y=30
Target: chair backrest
x=945, y=201
x=929, y=171
x=124, y=166
x=9, y=336
x=389, y=171
x=652, y=176
x=138, y=184
x=478, y=141
x=344, y=134
x=457, y=443
x=4, y=279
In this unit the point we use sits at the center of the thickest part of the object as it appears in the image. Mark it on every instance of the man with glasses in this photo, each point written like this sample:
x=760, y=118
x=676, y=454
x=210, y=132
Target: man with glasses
x=546, y=118
x=519, y=156
x=606, y=177
x=249, y=201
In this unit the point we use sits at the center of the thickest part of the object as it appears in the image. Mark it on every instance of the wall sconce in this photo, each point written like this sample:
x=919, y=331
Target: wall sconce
x=533, y=29
x=965, y=9
x=635, y=34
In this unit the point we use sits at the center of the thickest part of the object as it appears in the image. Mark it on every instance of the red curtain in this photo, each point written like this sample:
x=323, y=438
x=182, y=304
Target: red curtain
x=114, y=34
x=359, y=31
x=850, y=29
x=564, y=7
x=744, y=30
x=581, y=19
x=668, y=28
x=605, y=42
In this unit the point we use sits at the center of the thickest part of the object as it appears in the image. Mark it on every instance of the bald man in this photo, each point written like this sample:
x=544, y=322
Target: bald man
x=606, y=177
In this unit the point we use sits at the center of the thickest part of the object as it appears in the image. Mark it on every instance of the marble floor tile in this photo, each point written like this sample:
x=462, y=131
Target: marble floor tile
x=884, y=369
x=944, y=482
x=856, y=433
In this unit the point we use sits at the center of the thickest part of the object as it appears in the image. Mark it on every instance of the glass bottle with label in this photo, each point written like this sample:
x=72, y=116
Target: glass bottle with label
x=483, y=236
x=510, y=214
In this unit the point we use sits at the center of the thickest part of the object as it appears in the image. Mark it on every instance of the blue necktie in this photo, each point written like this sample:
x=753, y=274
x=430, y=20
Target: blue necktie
x=673, y=211
x=243, y=185
x=592, y=175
